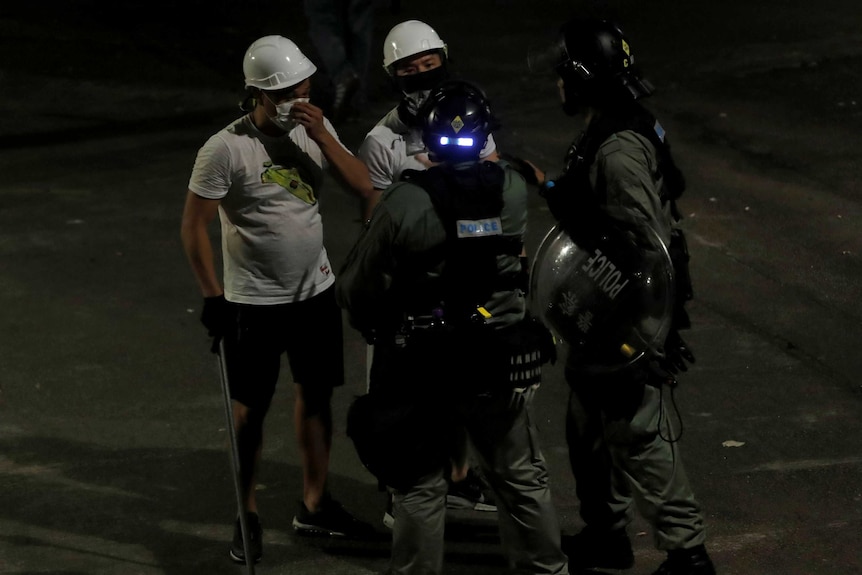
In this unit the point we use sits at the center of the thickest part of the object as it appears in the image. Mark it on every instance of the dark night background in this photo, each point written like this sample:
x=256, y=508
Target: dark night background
x=113, y=454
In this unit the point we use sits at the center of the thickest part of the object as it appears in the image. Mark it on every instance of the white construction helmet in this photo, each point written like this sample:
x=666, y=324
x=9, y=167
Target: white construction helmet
x=274, y=62
x=408, y=39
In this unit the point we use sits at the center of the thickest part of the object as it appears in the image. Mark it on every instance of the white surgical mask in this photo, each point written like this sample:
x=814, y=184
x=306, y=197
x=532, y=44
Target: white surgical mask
x=282, y=118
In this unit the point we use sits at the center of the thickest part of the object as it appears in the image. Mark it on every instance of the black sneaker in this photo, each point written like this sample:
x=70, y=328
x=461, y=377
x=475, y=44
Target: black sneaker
x=471, y=493
x=592, y=548
x=255, y=536
x=694, y=561
x=330, y=520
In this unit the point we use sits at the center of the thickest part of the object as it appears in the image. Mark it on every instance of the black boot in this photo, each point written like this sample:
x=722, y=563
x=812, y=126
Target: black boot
x=593, y=548
x=694, y=561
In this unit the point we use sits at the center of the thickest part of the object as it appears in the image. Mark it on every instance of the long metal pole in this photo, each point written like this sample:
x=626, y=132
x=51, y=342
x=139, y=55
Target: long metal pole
x=235, y=462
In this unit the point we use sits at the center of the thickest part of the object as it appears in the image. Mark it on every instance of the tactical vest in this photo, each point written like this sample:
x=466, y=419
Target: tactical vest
x=582, y=154
x=573, y=190
x=469, y=203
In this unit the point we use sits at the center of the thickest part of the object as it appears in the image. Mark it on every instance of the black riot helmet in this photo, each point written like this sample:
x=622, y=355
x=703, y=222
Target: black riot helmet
x=594, y=60
x=456, y=121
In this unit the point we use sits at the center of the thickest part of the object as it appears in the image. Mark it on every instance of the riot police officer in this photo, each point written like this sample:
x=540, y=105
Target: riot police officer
x=436, y=282
x=621, y=445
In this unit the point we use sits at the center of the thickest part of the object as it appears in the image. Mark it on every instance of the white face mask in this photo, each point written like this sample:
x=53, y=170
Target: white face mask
x=282, y=118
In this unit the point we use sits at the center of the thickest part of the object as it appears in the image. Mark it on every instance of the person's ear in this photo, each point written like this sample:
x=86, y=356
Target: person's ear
x=249, y=100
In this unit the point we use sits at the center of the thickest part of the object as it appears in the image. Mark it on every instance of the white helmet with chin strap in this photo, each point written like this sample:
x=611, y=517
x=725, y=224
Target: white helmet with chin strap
x=408, y=39
x=274, y=63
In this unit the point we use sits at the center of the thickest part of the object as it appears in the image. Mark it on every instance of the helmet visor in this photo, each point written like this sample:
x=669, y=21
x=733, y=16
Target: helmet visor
x=546, y=53
x=553, y=59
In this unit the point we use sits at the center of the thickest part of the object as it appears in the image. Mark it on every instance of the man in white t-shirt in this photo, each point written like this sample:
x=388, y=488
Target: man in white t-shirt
x=416, y=58
x=261, y=174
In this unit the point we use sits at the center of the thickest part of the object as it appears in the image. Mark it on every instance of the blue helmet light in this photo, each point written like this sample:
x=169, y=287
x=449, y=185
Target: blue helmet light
x=461, y=142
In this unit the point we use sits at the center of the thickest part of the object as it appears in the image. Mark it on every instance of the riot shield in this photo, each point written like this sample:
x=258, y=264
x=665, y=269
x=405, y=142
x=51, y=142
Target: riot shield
x=603, y=291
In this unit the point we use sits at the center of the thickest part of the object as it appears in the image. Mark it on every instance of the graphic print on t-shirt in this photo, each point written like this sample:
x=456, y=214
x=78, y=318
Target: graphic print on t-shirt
x=290, y=180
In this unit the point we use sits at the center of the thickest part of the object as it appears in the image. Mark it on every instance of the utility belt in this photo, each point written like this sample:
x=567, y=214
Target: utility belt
x=496, y=359
x=423, y=328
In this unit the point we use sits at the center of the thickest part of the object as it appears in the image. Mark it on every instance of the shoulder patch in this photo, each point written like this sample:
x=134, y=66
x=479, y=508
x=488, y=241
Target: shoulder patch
x=659, y=131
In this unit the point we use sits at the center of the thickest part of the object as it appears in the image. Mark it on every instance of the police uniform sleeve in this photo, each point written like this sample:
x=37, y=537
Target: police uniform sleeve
x=366, y=274
x=515, y=199
x=626, y=169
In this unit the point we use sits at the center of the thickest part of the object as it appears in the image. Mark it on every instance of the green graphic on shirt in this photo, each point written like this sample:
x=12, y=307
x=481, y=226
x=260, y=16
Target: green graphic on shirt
x=290, y=180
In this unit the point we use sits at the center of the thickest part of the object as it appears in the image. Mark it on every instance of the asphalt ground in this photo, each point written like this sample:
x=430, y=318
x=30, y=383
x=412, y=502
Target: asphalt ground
x=113, y=451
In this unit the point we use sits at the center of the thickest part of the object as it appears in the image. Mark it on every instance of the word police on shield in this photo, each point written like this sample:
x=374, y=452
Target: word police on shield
x=604, y=292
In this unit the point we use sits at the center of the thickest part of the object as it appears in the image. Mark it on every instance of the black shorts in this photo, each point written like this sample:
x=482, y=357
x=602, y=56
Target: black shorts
x=309, y=332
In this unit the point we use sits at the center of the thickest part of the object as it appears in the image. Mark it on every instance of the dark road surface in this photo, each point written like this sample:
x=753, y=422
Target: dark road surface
x=113, y=453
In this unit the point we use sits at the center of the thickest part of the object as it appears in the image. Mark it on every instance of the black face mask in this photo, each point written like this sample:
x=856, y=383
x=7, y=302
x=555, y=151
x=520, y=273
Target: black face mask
x=415, y=89
x=423, y=80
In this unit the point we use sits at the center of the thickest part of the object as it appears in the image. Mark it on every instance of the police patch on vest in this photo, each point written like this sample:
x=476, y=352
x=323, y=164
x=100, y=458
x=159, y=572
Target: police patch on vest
x=479, y=228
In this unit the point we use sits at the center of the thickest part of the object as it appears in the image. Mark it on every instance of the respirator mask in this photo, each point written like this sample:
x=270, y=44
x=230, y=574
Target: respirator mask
x=282, y=118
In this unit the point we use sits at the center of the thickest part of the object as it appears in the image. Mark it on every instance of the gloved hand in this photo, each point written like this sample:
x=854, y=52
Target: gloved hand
x=524, y=167
x=216, y=318
x=676, y=353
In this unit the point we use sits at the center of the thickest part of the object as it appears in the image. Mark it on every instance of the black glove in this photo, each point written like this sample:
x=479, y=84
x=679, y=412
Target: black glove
x=676, y=353
x=523, y=167
x=216, y=318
